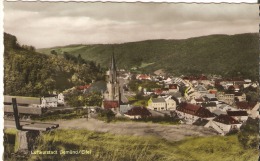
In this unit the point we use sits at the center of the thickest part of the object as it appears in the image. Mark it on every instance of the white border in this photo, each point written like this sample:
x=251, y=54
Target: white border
x=176, y=1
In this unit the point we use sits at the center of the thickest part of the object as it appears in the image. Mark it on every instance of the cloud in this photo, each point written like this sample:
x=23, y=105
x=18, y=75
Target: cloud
x=45, y=24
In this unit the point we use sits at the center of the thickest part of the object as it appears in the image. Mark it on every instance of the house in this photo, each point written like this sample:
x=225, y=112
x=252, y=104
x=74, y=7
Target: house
x=82, y=88
x=225, y=107
x=49, y=102
x=138, y=113
x=204, y=80
x=158, y=91
x=240, y=96
x=209, y=95
x=247, y=83
x=196, y=101
x=157, y=104
x=191, y=112
x=228, y=98
x=211, y=106
x=218, y=112
x=124, y=108
x=178, y=96
x=252, y=108
x=224, y=124
x=240, y=116
x=61, y=99
x=173, y=88
x=213, y=91
x=201, y=89
x=213, y=100
x=113, y=105
x=170, y=103
x=168, y=80
x=143, y=77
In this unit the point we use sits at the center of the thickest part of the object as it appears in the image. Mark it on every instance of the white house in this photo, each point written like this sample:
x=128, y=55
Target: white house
x=49, y=102
x=61, y=99
x=157, y=104
x=173, y=88
x=190, y=113
x=224, y=124
x=201, y=89
x=170, y=103
x=211, y=106
x=252, y=108
x=240, y=116
x=196, y=101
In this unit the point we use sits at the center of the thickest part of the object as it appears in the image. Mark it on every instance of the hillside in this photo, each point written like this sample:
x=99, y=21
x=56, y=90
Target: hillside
x=29, y=73
x=234, y=55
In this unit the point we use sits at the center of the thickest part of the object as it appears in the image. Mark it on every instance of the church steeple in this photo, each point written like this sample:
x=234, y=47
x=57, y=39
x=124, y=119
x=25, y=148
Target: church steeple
x=113, y=88
x=113, y=63
x=113, y=70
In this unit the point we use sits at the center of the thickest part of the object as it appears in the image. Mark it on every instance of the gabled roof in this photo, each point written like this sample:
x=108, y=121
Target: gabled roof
x=245, y=105
x=213, y=99
x=225, y=119
x=143, y=76
x=158, y=100
x=239, y=94
x=158, y=91
x=208, y=104
x=200, y=88
x=138, y=111
x=201, y=122
x=173, y=86
x=50, y=99
x=237, y=113
x=110, y=104
x=199, y=100
x=219, y=112
x=83, y=87
x=194, y=110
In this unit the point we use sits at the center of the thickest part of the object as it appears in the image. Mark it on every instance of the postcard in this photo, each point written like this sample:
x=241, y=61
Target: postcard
x=131, y=81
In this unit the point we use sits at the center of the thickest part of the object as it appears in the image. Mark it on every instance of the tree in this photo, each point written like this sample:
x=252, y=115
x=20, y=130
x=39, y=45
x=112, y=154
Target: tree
x=53, y=52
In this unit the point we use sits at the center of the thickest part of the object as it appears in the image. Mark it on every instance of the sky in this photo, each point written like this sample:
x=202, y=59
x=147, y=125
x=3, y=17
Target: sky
x=46, y=24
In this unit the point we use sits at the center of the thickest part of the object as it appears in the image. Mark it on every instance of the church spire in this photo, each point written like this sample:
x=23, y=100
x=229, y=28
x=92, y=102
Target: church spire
x=113, y=63
x=113, y=70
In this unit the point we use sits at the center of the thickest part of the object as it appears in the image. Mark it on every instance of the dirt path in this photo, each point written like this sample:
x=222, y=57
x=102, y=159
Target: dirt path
x=169, y=132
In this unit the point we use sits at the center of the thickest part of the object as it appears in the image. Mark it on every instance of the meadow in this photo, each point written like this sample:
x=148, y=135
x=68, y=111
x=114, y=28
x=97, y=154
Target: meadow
x=105, y=146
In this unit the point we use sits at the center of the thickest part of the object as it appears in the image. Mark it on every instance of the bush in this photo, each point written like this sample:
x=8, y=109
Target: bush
x=106, y=115
x=248, y=135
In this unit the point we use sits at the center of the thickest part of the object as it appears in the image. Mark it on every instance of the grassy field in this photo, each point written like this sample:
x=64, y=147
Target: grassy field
x=105, y=146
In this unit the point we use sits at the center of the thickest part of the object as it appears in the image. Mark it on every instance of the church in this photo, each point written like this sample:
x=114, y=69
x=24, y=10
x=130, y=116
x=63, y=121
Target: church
x=112, y=96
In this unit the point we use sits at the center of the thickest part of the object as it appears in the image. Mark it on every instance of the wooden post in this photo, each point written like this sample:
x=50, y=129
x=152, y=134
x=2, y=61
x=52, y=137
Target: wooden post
x=16, y=114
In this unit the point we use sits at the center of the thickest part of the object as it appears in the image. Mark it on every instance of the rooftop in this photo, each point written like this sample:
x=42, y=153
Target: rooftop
x=138, y=111
x=225, y=119
x=158, y=100
x=237, y=113
x=245, y=105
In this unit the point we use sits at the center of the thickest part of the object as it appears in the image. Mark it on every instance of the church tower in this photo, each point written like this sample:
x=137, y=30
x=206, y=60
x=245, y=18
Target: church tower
x=112, y=95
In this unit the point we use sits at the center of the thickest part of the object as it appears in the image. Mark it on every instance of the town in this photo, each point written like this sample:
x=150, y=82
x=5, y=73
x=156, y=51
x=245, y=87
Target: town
x=210, y=101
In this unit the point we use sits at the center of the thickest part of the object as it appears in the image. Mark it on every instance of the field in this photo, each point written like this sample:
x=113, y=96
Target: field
x=122, y=147
x=105, y=146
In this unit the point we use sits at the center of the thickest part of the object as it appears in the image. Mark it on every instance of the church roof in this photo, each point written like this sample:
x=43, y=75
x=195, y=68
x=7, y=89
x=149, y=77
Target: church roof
x=113, y=63
x=111, y=104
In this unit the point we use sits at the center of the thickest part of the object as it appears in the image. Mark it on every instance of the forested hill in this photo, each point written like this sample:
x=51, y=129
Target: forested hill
x=228, y=55
x=30, y=73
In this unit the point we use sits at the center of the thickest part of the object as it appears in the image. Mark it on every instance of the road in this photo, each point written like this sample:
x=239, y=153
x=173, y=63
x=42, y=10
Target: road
x=168, y=132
